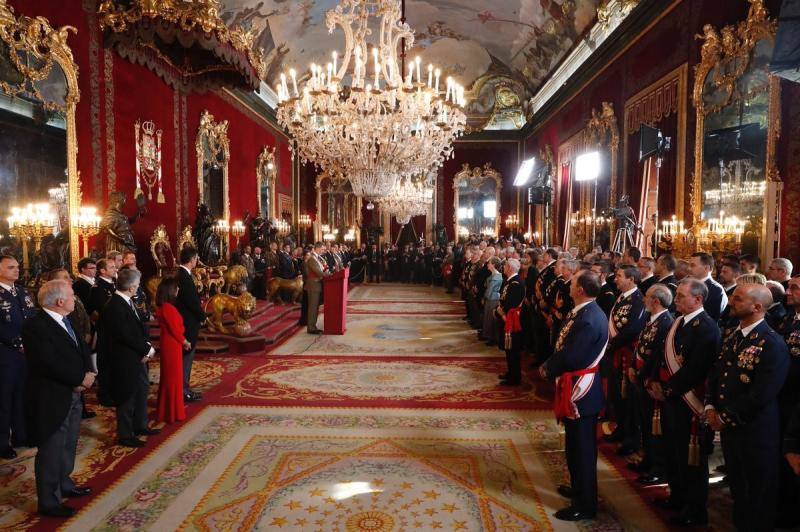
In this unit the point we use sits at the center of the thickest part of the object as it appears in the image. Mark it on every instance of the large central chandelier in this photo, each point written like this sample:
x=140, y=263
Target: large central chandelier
x=361, y=118
x=408, y=199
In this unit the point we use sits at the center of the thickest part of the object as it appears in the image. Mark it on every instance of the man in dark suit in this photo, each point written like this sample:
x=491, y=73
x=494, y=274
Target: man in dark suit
x=259, y=271
x=649, y=350
x=104, y=287
x=509, y=326
x=624, y=326
x=689, y=353
x=608, y=291
x=87, y=268
x=647, y=267
x=742, y=404
x=15, y=307
x=127, y=352
x=700, y=267
x=59, y=370
x=188, y=304
x=579, y=394
x=665, y=273
x=728, y=274
x=285, y=263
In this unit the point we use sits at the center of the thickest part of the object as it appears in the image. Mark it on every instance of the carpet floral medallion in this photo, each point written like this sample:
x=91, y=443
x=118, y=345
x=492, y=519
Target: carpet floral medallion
x=451, y=383
x=388, y=335
x=98, y=455
x=355, y=470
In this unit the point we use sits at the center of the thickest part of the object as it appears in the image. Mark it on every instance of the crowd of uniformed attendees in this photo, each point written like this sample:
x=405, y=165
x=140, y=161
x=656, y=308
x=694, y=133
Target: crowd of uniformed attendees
x=693, y=347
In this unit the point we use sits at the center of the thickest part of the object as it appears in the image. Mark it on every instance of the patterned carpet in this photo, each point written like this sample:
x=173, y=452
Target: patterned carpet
x=397, y=425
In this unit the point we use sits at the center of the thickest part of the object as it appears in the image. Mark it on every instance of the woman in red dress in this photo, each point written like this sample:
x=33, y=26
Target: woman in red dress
x=173, y=342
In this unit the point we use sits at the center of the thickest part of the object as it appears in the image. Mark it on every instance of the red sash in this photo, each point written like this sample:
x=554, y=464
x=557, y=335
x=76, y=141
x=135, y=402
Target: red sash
x=564, y=405
x=512, y=325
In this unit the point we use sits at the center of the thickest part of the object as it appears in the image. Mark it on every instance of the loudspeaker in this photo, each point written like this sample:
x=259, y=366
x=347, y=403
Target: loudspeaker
x=786, y=54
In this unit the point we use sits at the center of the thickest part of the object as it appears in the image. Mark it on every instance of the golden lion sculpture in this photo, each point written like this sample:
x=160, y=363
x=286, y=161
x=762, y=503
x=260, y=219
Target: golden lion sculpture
x=240, y=307
x=294, y=286
x=234, y=277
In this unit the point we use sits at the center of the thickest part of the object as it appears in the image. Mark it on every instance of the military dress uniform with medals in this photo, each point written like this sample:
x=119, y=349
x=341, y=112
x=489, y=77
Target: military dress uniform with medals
x=15, y=307
x=624, y=326
x=542, y=332
x=608, y=296
x=649, y=350
x=580, y=346
x=509, y=331
x=788, y=401
x=689, y=352
x=751, y=369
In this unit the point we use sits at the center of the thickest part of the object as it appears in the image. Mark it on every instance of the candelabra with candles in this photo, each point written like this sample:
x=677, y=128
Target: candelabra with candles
x=723, y=233
x=86, y=223
x=534, y=238
x=350, y=236
x=33, y=222
x=238, y=230
x=304, y=222
x=512, y=222
x=222, y=230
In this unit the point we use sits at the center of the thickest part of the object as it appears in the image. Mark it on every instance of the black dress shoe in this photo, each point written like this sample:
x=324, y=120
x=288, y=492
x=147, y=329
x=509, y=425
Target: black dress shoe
x=8, y=454
x=666, y=503
x=686, y=521
x=315, y=331
x=131, y=442
x=87, y=414
x=625, y=451
x=649, y=480
x=565, y=491
x=570, y=513
x=190, y=398
x=508, y=382
x=78, y=492
x=148, y=432
x=58, y=511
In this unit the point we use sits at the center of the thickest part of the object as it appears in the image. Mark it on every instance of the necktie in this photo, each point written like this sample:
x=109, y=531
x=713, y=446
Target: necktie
x=70, y=330
x=133, y=308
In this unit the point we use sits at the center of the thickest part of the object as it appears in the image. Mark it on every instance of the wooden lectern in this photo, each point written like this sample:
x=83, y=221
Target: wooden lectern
x=335, y=293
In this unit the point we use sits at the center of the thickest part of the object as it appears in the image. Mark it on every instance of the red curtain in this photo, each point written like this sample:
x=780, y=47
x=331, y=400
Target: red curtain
x=564, y=204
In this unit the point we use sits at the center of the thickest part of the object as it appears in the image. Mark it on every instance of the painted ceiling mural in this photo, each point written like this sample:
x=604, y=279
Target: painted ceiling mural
x=502, y=50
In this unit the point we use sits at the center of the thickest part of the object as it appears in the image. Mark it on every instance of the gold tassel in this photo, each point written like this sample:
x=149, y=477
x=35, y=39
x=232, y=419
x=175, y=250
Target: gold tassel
x=139, y=192
x=694, y=451
x=161, y=198
x=656, y=425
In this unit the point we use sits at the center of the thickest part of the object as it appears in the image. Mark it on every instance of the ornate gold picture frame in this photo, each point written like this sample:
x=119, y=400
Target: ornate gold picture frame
x=214, y=136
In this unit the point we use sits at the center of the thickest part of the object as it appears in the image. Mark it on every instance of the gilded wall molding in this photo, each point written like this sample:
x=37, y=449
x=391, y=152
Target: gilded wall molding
x=176, y=133
x=215, y=136
x=263, y=172
x=655, y=102
x=90, y=7
x=475, y=177
x=36, y=38
x=111, y=154
x=184, y=119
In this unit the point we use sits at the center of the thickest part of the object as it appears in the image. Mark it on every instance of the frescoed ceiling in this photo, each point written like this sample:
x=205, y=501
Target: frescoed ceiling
x=503, y=50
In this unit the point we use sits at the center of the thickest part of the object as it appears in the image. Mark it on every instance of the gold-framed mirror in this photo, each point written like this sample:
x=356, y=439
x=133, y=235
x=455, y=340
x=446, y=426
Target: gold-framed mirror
x=338, y=208
x=38, y=143
x=476, y=201
x=213, y=154
x=266, y=174
x=736, y=187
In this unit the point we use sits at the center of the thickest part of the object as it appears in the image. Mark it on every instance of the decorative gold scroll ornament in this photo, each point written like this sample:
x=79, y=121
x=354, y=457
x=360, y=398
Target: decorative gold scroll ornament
x=148, y=159
x=726, y=55
x=606, y=11
x=265, y=173
x=602, y=130
x=28, y=37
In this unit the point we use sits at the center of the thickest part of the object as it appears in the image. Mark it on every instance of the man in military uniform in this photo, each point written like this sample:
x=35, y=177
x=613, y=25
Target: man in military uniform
x=647, y=267
x=285, y=263
x=727, y=278
x=15, y=307
x=689, y=352
x=665, y=273
x=788, y=401
x=776, y=312
x=539, y=303
x=565, y=268
x=509, y=326
x=624, y=326
x=649, y=350
x=742, y=404
x=579, y=393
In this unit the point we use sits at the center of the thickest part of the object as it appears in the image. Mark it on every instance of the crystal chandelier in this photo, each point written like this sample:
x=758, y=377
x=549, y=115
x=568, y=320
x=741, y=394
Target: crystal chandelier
x=408, y=199
x=361, y=119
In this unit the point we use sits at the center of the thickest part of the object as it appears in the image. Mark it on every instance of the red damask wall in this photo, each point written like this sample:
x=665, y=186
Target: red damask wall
x=668, y=44
x=115, y=93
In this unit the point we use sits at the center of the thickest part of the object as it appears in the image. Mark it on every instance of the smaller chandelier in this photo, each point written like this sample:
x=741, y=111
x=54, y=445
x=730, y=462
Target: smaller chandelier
x=408, y=199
